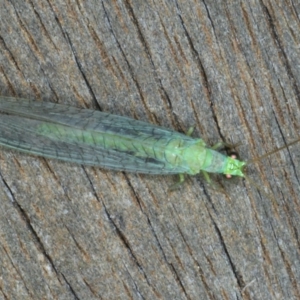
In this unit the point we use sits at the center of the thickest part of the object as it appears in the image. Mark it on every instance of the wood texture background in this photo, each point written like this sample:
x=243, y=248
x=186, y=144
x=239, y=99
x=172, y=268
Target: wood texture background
x=231, y=69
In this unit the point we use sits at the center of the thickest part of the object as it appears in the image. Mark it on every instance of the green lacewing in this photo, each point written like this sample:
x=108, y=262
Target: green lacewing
x=95, y=138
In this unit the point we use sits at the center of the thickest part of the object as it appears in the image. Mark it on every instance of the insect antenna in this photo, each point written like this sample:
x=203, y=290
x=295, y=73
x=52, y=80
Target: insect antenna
x=256, y=159
x=253, y=183
x=273, y=151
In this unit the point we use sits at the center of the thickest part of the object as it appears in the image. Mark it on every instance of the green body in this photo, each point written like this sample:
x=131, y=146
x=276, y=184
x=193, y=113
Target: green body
x=95, y=138
x=178, y=155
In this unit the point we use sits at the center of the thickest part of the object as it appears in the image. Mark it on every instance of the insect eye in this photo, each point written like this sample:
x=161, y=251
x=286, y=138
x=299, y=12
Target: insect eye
x=233, y=155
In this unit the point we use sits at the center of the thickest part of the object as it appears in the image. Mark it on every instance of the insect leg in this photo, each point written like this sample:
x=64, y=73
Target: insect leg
x=190, y=131
x=218, y=146
x=206, y=177
x=230, y=149
x=214, y=185
x=178, y=183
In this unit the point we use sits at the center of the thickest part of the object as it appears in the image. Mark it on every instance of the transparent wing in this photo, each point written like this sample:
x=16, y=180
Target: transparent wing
x=20, y=132
x=86, y=119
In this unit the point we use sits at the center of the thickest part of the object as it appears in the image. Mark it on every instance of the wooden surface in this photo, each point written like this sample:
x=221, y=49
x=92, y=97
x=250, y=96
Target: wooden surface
x=231, y=69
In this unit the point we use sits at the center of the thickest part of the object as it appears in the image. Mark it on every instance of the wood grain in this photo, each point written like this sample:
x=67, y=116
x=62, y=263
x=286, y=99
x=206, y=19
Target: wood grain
x=231, y=69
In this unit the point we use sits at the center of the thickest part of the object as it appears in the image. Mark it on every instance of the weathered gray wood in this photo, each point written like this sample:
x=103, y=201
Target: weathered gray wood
x=231, y=68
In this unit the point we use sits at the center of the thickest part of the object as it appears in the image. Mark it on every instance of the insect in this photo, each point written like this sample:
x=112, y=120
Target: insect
x=90, y=137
